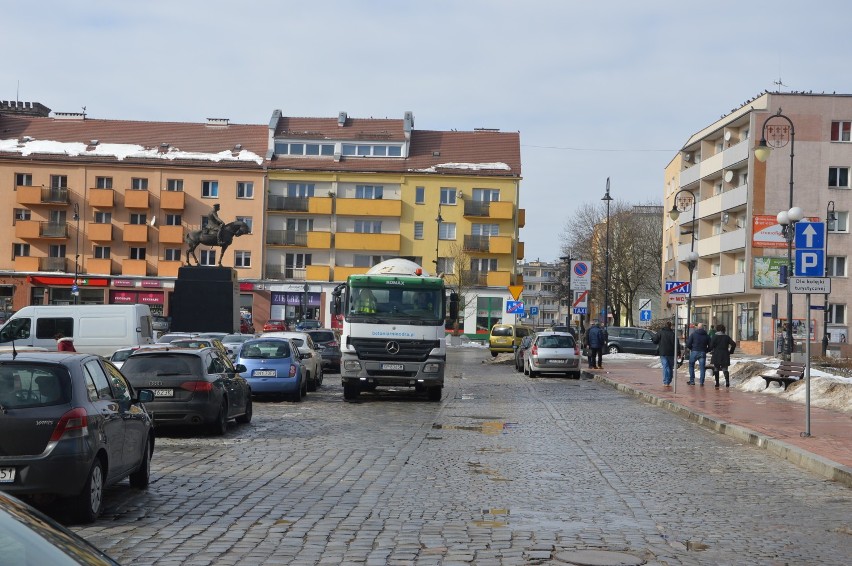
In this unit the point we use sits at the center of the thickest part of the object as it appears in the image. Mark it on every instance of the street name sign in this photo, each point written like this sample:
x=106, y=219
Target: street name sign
x=807, y=285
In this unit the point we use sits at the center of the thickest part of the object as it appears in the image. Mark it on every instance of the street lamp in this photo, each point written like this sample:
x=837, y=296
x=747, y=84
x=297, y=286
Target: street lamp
x=439, y=219
x=305, y=310
x=567, y=259
x=682, y=201
x=607, y=199
x=830, y=220
x=75, y=290
x=787, y=219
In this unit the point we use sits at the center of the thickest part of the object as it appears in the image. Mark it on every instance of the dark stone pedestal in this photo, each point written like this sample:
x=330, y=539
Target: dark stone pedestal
x=205, y=299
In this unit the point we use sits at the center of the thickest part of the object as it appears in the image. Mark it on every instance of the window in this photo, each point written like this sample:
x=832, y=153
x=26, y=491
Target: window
x=447, y=231
x=245, y=189
x=138, y=218
x=836, y=313
x=103, y=182
x=838, y=177
x=840, y=131
x=242, y=258
x=20, y=250
x=841, y=224
x=368, y=226
x=483, y=264
x=21, y=214
x=138, y=184
x=173, y=220
x=174, y=185
x=301, y=190
x=209, y=189
x=835, y=266
x=749, y=321
x=137, y=253
x=740, y=264
x=367, y=150
x=485, y=229
x=446, y=265
x=101, y=252
x=23, y=180
x=171, y=254
x=58, y=181
x=487, y=195
x=448, y=195
x=418, y=230
x=56, y=250
x=369, y=191
x=715, y=269
x=248, y=221
x=302, y=148
x=208, y=257
x=103, y=217
x=419, y=195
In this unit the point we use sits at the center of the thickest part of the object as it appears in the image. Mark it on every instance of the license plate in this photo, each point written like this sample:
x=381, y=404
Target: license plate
x=557, y=361
x=7, y=475
x=264, y=373
x=164, y=392
x=393, y=367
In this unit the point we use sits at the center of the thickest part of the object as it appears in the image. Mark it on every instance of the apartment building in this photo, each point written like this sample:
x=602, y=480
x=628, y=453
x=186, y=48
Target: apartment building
x=106, y=205
x=542, y=292
x=732, y=226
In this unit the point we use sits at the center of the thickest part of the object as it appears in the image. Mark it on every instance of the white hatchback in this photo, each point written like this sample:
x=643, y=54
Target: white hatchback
x=553, y=352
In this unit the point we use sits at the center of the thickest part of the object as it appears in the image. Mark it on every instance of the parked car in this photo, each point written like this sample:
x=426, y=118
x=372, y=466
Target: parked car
x=192, y=386
x=553, y=352
x=29, y=537
x=273, y=367
x=166, y=338
x=119, y=356
x=275, y=325
x=504, y=337
x=631, y=340
x=160, y=323
x=199, y=342
x=328, y=341
x=232, y=343
x=70, y=425
x=311, y=358
x=522, y=350
x=307, y=325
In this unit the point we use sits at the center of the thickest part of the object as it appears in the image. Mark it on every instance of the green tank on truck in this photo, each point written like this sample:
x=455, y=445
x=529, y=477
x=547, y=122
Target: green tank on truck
x=393, y=329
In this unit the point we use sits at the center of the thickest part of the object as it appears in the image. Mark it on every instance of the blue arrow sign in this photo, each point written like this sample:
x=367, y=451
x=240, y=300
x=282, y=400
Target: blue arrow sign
x=645, y=316
x=810, y=235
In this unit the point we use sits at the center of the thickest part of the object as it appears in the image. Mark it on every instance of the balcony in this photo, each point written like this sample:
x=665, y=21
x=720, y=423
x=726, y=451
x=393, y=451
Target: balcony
x=172, y=200
x=489, y=278
x=298, y=238
x=136, y=199
x=522, y=217
x=53, y=264
x=101, y=198
x=42, y=195
x=372, y=242
x=318, y=273
x=720, y=243
x=171, y=234
x=501, y=245
x=136, y=233
x=369, y=207
x=97, y=266
x=99, y=232
x=168, y=268
x=496, y=210
x=310, y=205
x=284, y=272
x=134, y=267
x=341, y=272
x=476, y=243
x=27, y=263
x=520, y=248
x=35, y=229
x=721, y=285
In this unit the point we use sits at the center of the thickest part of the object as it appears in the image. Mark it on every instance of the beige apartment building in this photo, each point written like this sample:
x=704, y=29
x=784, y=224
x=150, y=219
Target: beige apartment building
x=106, y=204
x=740, y=245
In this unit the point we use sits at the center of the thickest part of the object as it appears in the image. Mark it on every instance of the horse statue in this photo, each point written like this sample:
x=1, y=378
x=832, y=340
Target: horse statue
x=230, y=231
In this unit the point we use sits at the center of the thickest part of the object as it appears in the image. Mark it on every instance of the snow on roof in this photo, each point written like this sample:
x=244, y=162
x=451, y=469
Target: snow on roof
x=466, y=166
x=120, y=151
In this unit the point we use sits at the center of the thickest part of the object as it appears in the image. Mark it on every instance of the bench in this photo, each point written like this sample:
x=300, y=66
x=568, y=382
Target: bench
x=787, y=373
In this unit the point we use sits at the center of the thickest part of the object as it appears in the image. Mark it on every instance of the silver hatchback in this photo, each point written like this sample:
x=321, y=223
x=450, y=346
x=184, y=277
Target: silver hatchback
x=553, y=352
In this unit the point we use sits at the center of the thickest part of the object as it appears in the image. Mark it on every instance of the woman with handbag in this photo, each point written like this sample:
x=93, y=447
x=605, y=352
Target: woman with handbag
x=721, y=348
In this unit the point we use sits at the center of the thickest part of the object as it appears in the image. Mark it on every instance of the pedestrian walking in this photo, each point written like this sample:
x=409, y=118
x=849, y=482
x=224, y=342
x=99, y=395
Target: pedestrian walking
x=666, y=344
x=596, y=340
x=721, y=348
x=63, y=343
x=698, y=344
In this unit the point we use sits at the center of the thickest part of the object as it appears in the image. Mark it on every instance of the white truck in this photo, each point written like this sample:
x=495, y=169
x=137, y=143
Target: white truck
x=393, y=329
x=94, y=329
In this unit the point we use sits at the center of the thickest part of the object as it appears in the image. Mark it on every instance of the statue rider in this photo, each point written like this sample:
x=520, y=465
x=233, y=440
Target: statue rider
x=215, y=224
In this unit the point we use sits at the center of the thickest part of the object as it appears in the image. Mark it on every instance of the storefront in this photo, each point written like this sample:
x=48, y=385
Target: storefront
x=291, y=305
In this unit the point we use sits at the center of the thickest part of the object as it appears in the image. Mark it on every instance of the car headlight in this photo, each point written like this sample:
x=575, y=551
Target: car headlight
x=351, y=365
x=431, y=368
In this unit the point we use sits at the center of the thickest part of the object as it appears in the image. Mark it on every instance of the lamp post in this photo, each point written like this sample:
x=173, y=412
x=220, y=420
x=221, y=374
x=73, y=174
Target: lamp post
x=438, y=220
x=607, y=199
x=75, y=290
x=567, y=259
x=830, y=220
x=682, y=199
x=774, y=137
x=305, y=310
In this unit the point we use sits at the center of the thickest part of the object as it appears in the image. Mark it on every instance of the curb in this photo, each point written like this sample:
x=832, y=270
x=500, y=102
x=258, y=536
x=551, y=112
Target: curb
x=802, y=458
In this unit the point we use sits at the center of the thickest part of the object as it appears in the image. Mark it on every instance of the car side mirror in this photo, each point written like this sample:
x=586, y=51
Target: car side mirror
x=240, y=368
x=145, y=396
x=306, y=356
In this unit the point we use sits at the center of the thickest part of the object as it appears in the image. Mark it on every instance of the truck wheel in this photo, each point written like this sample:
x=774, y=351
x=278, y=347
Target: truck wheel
x=434, y=393
x=350, y=391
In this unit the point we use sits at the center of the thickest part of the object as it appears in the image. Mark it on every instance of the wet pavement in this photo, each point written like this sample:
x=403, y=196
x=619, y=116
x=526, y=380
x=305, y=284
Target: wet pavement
x=764, y=420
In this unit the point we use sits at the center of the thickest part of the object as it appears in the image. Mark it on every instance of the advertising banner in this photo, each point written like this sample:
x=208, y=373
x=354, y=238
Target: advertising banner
x=766, y=272
x=766, y=232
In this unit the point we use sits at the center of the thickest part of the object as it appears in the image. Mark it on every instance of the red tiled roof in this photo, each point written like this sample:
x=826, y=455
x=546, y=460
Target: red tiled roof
x=355, y=129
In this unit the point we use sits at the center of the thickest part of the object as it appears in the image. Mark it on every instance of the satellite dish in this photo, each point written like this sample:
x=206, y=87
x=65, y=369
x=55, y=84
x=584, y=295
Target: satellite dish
x=728, y=135
x=729, y=176
x=153, y=221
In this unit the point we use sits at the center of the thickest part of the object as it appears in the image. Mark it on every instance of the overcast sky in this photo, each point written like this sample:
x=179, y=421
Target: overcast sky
x=610, y=88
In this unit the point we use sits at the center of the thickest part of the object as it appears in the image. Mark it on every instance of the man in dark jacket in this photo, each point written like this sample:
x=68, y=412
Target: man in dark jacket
x=596, y=341
x=698, y=345
x=665, y=341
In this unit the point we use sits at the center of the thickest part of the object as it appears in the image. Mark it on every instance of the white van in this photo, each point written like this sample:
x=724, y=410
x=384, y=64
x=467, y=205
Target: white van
x=95, y=329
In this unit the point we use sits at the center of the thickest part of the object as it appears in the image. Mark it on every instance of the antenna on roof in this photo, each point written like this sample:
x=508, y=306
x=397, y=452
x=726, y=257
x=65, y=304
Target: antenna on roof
x=778, y=83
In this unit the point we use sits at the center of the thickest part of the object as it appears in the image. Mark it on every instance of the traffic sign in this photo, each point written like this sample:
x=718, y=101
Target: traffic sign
x=677, y=287
x=676, y=299
x=516, y=290
x=515, y=307
x=807, y=285
x=581, y=275
x=645, y=316
x=581, y=299
x=810, y=263
x=580, y=310
x=533, y=311
x=810, y=249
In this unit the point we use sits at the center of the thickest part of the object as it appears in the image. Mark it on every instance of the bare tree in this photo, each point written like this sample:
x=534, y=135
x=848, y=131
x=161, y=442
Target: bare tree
x=461, y=279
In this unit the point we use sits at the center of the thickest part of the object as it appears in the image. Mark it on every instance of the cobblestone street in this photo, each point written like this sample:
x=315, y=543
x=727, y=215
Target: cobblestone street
x=504, y=470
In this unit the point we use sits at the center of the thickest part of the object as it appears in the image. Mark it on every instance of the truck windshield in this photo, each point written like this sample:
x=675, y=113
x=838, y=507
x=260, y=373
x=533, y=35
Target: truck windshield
x=384, y=303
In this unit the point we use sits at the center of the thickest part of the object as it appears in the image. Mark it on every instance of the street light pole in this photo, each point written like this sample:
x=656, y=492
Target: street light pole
x=438, y=220
x=607, y=199
x=778, y=135
x=76, y=289
x=305, y=310
x=692, y=257
x=568, y=259
x=830, y=220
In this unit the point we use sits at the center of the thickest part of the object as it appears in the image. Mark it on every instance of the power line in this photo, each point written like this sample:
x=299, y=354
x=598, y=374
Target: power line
x=599, y=149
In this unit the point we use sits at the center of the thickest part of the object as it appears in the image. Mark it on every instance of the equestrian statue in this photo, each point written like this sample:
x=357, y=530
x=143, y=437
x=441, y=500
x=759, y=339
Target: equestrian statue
x=216, y=233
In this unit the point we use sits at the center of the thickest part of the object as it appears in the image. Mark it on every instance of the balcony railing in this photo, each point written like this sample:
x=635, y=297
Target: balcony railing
x=54, y=195
x=476, y=278
x=476, y=243
x=295, y=204
x=54, y=264
x=286, y=238
x=476, y=207
x=283, y=272
x=53, y=229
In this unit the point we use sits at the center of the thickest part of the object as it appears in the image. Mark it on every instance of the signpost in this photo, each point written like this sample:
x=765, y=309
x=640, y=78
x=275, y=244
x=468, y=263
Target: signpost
x=515, y=307
x=581, y=275
x=580, y=304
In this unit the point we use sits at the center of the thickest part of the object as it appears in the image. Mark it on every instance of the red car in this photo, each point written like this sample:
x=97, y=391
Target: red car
x=275, y=325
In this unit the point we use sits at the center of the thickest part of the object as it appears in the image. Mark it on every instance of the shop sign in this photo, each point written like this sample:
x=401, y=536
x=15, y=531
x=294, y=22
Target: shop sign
x=123, y=283
x=152, y=283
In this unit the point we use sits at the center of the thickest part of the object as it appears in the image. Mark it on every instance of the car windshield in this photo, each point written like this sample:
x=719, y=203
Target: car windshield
x=555, y=341
x=410, y=304
x=323, y=336
x=262, y=349
x=237, y=338
x=162, y=364
x=33, y=385
x=190, y=343
x=501, y=331
x=120, y=355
